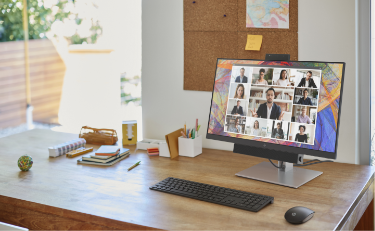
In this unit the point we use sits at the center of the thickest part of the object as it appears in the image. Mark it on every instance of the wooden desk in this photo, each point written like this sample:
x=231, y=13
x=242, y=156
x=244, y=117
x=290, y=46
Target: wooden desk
x=59, y=194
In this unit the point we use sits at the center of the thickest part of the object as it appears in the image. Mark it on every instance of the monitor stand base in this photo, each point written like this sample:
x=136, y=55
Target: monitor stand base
x=292, y=177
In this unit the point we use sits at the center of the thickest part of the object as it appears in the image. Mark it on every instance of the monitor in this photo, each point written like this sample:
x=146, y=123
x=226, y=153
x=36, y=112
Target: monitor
x=277, y=110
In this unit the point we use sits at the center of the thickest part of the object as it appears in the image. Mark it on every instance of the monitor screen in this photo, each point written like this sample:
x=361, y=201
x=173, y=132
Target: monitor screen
x=294, y=104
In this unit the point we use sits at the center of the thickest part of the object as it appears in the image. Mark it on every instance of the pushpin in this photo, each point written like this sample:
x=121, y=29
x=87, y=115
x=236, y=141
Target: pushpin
x=225, y=15
x=193, y=1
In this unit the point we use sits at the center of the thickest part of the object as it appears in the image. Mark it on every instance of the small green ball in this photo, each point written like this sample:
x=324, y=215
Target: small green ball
x=25, y=162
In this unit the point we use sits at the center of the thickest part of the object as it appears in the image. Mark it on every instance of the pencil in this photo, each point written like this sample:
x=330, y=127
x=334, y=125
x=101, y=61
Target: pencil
x=134, y=165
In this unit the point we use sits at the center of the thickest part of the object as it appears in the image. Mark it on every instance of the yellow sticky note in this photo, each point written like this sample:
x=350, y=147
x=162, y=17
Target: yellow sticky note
x=254, y=42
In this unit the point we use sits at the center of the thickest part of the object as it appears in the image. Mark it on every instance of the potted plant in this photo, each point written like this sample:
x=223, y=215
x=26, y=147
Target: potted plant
x=315, y=94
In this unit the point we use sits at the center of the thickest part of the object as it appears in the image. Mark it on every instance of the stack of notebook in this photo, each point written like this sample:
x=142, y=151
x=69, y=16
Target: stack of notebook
x=106, y=156
x=153, y=151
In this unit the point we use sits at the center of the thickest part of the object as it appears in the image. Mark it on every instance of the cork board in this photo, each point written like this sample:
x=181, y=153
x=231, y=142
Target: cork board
x=273, y=43
x=209, y=36
x=210, y=15
x=201, y=52
x=293, y=18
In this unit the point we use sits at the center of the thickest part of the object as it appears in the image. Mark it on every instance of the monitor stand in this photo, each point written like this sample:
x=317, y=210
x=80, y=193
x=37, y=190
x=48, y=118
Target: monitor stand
x=287, y=175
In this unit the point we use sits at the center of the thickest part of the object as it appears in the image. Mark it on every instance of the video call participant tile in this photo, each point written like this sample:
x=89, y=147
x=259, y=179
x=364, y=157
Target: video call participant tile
x=302, y=133
x=237, y=107
x=306, y=96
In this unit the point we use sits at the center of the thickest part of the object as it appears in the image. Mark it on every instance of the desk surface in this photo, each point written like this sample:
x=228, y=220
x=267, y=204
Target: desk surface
x=123, y=199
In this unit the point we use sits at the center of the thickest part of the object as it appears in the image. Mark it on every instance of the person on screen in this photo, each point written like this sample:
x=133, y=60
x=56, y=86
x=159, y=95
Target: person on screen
x=241, y=78
x=308, y=81
x=261, y=79
x=305, y=100
x=278, y=132
x=237, y=127
x=237, y=110
x=256, y=130
x=283, y=80
x=269, y=110
x=240, y=92
x=301, y=136
x=304, y=118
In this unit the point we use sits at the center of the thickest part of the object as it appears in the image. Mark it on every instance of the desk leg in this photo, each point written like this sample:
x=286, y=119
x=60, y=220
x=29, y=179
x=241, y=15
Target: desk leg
x=367, y=220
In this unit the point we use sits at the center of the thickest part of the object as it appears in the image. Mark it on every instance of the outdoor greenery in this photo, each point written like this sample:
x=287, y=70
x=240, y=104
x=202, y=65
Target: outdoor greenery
x=42, y=19
x=126, y=83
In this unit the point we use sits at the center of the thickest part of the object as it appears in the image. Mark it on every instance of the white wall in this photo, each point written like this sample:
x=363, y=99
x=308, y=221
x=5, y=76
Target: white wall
x=121, y=22
x=166, y=106
x=331, y=37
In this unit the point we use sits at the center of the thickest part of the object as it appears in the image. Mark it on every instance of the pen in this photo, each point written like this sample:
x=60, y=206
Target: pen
x=185, y=128
x=192, y=134
x=187, y=134
x=134, y=165
x=183, y=134
x=196, y=125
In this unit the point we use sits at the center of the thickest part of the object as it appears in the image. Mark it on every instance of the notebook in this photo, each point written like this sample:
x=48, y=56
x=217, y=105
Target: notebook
x=101, y=160
x=108, y=150
x=112, y=162
x=172, y=141
x=122, y=150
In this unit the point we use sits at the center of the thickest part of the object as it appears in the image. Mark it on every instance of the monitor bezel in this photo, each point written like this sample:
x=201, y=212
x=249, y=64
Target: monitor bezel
x=279, y=147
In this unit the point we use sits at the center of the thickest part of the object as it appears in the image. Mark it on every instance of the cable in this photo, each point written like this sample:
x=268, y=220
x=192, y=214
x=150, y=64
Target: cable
x=275, y=165
x=301, y=165
x=311, y=161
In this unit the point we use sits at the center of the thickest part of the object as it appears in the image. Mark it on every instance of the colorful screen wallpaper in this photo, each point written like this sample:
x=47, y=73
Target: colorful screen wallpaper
x=327, y=108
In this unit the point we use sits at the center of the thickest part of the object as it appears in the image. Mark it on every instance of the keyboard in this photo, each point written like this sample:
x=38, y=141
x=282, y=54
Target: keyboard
x=214, y=194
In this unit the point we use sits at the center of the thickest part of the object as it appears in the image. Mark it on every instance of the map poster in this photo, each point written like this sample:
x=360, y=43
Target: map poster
x=267, y=14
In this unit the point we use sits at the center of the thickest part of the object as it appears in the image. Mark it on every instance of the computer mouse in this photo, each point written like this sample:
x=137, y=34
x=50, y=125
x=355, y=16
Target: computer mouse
x=298, y=215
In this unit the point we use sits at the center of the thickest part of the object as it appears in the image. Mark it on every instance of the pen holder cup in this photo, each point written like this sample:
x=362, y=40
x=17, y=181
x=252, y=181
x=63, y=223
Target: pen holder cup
x=189, y=147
